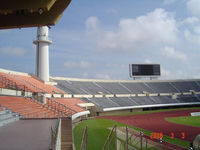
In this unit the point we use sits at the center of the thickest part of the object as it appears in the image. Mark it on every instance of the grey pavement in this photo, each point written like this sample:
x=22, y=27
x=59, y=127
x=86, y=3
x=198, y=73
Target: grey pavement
x=26, y=135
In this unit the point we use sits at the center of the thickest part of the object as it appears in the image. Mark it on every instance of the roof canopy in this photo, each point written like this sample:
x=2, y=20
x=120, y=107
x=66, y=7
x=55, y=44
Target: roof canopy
x=30, y=13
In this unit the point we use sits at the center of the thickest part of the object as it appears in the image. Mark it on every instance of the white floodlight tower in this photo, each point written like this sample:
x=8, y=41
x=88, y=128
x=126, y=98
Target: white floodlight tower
x=42, y=43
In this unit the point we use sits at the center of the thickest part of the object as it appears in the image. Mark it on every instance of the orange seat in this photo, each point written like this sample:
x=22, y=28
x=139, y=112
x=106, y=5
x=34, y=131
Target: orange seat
x=40, y=85
x=27, y=83
x=71, y=103
x=27, y=108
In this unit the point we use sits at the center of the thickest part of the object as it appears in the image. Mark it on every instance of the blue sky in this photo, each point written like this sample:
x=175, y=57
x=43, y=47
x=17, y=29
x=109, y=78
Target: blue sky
x=99, y=39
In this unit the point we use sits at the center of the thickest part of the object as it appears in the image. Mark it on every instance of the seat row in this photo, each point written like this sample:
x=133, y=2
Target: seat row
x=110, y=102
x=30, y=108
x=7, y=117
x=26, y=83
x=127, y=87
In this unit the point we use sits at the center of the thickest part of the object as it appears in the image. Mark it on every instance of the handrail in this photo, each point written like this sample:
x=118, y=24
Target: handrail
x=67, y=111
x=108, y=138
x=14, y=84
x=84, y=141
x=58, y=108
x=28, y=83
x=54, y=144
x=41, y=105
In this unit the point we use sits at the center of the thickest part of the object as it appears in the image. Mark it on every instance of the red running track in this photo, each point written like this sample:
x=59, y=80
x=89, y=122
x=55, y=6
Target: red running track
x=156, y=122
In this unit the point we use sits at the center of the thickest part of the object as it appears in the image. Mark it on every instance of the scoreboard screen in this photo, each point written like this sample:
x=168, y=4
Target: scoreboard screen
x=140, y=70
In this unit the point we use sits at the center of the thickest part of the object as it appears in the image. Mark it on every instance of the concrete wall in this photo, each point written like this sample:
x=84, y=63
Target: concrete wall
x=57, y=95
x=82, y=96
x=10, y=92
x=67, y=95
x=28, y=94
x=119, y=111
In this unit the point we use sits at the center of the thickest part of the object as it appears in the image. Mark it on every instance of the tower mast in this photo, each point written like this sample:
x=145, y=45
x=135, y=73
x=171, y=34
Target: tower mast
x=42, y=43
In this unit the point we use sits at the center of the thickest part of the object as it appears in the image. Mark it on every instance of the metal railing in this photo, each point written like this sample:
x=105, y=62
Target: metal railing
x=130, y=139
x=57, y=108
x=39, y=114
x=84, y=141
x=55, y=131
x=111, y=141
x=30, y=84
x=7, y=83
x=62, y=110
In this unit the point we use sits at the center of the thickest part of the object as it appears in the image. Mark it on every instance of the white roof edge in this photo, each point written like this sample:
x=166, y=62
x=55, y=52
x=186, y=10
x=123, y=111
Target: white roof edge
x=14, y=72
x=96, y=80
x=145, y=106
x=101, y=80
x=74, y=116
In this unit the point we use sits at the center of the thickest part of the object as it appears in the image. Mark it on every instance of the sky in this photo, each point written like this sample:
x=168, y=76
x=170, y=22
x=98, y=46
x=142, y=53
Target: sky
x=99, y=39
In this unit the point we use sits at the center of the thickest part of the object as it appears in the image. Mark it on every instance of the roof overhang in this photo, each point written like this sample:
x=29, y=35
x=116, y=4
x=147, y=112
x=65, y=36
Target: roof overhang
x=31, y=13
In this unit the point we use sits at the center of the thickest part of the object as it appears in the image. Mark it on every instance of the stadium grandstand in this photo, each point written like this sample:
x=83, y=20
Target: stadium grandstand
x=110, y=95
x=39, y=112
x=25, y=97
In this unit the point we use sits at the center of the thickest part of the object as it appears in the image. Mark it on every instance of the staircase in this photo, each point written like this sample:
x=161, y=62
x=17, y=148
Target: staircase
x=66, y=134
x=7, y=117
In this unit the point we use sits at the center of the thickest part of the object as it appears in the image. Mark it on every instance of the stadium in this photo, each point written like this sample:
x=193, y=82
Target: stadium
x=39, y=111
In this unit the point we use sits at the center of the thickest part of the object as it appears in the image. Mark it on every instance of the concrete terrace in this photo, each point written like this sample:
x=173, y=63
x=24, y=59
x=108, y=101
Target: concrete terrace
x=26, y=135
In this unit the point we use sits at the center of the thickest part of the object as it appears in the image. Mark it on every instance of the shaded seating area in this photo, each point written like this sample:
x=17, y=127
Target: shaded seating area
x=188, y=98
x=162, y=87
x=141, y=101
x=186, y=86
x=127, y=87
x=125, y=93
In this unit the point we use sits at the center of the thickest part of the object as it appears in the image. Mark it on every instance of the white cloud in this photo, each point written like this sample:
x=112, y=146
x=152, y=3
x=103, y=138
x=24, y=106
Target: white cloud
x=197, y=30
x=194, y=7
x=172, y=53
x=112, y=11
x=102, y=76
x=167, y=2
x=80, y=65
x=193, y=36
x=190, y=20
x=187, y=34
x=154, y=28
x=165, y=73
x=85, y=75
x=109, y=65
x=13, y=51
x=92, y=23
x=148, y=61
x=178, y=74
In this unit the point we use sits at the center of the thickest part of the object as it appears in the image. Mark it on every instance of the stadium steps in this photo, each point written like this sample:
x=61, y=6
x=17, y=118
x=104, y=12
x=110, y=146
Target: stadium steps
x=66, y=134
x=28, y=83
x=40, y=85
x=27, y=108
x=64, y=109
x=10, y=79
x=7, y=117
x=71, y=103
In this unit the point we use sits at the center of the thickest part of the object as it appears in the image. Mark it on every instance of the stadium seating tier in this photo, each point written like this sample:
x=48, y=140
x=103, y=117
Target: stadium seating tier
x=26, y=83
x=141, y=87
